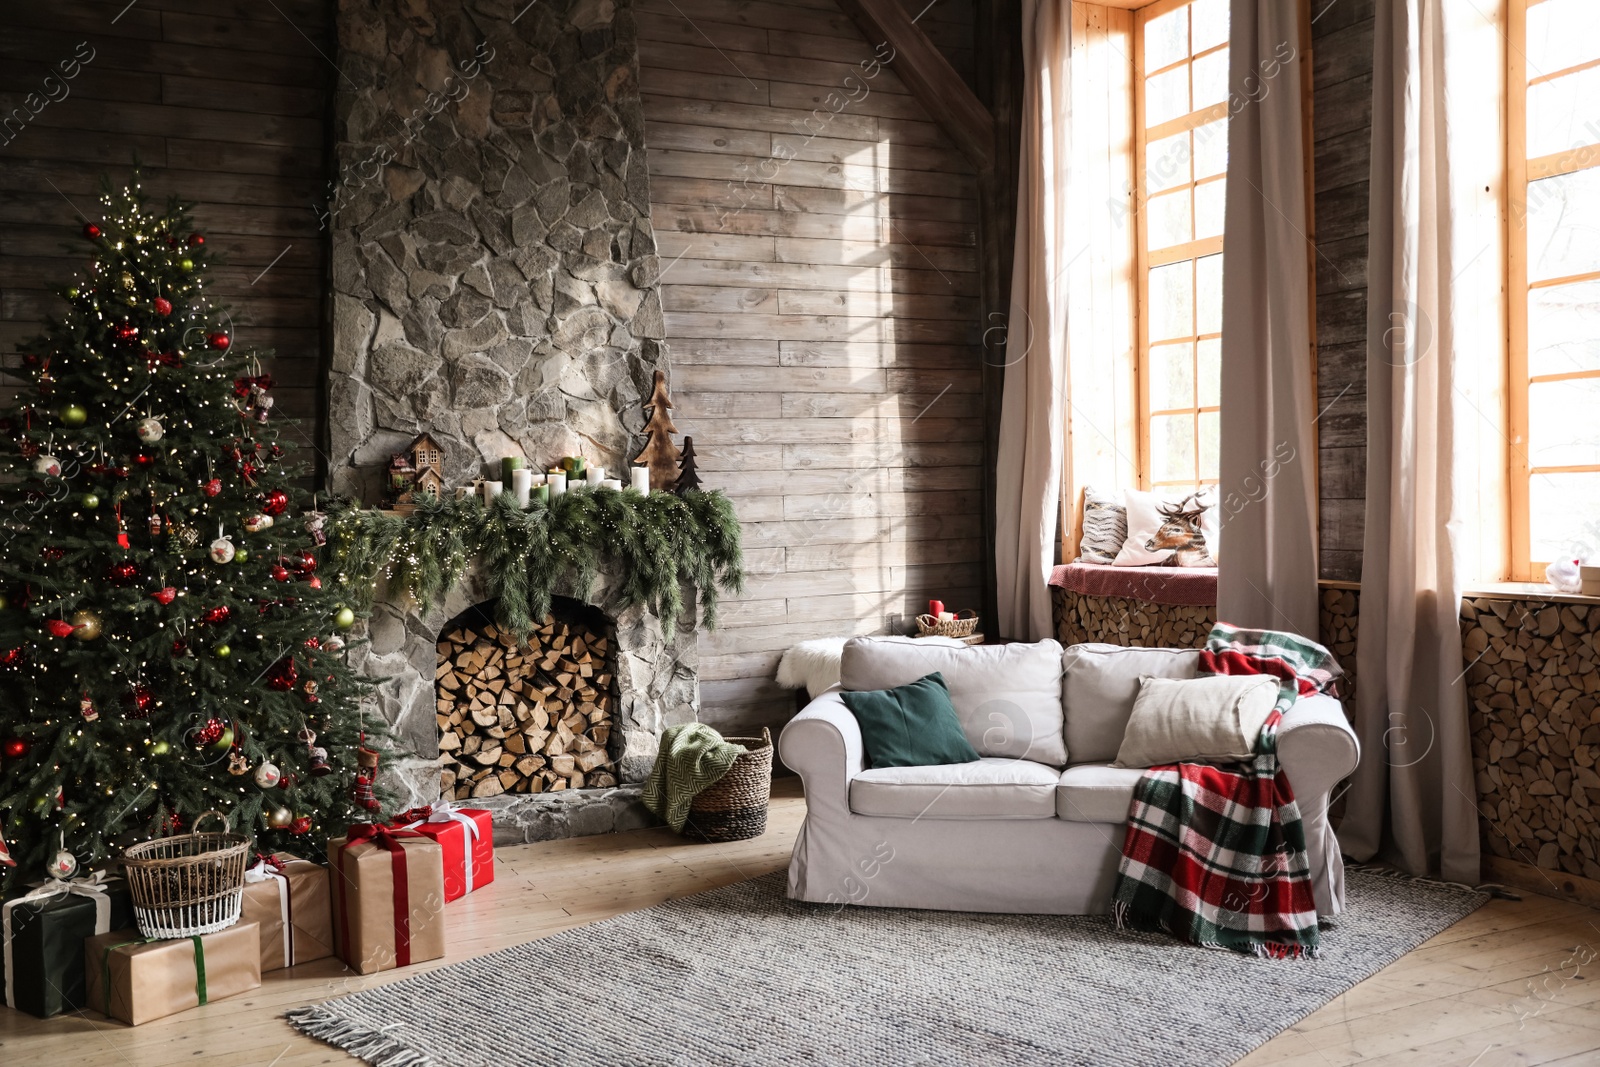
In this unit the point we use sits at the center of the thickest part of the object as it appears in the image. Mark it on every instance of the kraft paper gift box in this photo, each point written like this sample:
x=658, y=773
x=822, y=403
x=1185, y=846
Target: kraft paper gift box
x=289, y=898
x=466, y=836
x=136, y=980
x=43, y=932
x=388, y=898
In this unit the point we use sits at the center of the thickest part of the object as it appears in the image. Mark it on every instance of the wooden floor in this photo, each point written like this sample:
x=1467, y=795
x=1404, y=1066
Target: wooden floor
x=1501, y=987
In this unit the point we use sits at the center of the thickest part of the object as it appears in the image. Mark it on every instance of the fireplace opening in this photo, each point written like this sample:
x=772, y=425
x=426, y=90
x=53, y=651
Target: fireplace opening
x=530, y=716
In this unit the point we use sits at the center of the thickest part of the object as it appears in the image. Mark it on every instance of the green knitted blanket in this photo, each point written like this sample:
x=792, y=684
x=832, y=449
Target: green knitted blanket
x=693, y=757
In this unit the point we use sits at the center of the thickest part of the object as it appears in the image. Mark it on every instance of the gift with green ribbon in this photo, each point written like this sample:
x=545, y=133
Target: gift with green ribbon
x=41, y=940
x=136, y=979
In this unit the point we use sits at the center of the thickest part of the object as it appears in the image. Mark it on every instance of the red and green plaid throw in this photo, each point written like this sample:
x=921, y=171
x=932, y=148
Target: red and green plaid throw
x=1217, y=855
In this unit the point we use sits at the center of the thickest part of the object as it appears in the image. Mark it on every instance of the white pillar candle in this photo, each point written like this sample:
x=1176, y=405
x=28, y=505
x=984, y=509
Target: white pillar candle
x=641, y=478
x=596, y=474
x=557, y=483
x=611, y=483
x=491, y=490
x=521, y=485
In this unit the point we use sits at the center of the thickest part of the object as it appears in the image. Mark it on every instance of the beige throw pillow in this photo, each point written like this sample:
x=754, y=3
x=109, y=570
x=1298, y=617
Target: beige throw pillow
x=1216, y=718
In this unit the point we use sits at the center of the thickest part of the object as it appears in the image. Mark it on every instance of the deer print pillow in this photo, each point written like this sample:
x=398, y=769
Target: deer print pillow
x=1167, y=530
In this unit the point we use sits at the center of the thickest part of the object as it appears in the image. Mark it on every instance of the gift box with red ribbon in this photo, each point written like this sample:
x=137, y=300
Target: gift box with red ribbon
x=466, y=836
x=388, y=897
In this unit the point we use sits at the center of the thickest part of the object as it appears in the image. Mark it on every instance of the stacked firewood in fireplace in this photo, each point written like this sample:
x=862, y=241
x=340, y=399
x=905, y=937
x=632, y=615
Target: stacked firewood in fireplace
x=524, y=717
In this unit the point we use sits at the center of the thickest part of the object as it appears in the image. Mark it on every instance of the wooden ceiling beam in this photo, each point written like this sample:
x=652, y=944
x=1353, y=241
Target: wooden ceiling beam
x=929, y=76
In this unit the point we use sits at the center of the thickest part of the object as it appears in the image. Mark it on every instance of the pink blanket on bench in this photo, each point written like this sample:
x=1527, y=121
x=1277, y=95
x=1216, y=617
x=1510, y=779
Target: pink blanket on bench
x=1156, y=585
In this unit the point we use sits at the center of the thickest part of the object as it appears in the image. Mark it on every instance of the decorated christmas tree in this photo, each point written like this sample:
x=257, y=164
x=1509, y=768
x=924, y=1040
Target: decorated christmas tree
x=166, y=645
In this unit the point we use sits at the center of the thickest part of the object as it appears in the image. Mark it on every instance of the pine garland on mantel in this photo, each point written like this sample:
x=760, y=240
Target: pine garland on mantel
x=661, y=542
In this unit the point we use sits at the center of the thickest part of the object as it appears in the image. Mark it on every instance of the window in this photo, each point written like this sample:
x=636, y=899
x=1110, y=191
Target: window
x=1553, y=260
x=1180, y=56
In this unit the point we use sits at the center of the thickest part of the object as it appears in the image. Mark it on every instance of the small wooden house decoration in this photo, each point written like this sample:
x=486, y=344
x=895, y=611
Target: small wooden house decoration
x=419, y=469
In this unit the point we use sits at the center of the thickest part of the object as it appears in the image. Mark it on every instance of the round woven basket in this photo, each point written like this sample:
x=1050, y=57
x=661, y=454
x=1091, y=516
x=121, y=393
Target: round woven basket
x=187, y=884
x=735, y=808
x=961, y=626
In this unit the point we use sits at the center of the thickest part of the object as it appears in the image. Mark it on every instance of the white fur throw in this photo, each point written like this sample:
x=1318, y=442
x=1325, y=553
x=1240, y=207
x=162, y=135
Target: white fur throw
x=812, y=665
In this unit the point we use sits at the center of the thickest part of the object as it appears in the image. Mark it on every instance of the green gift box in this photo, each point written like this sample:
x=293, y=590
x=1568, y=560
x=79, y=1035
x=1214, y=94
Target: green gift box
x=44, y=930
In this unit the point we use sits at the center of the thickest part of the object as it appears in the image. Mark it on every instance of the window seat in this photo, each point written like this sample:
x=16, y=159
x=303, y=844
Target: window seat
x=1177, y=586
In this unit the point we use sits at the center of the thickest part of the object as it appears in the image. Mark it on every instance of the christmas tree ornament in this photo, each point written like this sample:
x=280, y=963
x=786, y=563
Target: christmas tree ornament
x=316, y=525
x=186, y=264
x=219, y=341
x=87, y=709
x=212, y=487
x=216, y=616
x=126, y=280
x=196, y=240
x=318, y=757
x=163, y=306
x=63, y=866
x=363, y=792
x=91, y=231
x=149, y=430
x=222, y=651
x=186, y=535
x=222, y=550
x=305, y=563
x=11, y=657
x=165, y=595
x=58, y=627
x=344, y=618
x=155, y=524
x=143, y=459
x=73, y=415
x=126, y=332
x=136, y=702
x=160, y=748
x=208, y=733
x=280, y=573
x=280, y=819
x=90, y=501
x=315, y=582
x=52, y=553
x=287, y=781
x=257, y=523
x=282, y=675
x=242, y=555
x=333, y=643
x=225, y=742
x=47, y=465
x=5, y=854
x=301, y=825
x=122, y=572
x=238, y=766
x=268, y=775
x=13, y=748
x=275, y=502
x=180, y=648
x=310, y=690
x=86, y=625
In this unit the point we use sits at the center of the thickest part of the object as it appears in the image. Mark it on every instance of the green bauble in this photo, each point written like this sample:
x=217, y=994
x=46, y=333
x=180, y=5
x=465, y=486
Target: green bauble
x=344, y=618
x=224, y=742
x=240, y=555
x=186, y=264
x=73, y=415
x=90, y=501
x=222, y=652
x=72, y=294
x=160, y=748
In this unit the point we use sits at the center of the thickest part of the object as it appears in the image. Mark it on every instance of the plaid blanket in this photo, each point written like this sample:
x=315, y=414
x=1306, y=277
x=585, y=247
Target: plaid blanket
x=1217, y=855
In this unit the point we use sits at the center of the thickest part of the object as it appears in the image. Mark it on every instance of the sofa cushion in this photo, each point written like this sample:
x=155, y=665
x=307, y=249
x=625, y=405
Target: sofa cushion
x=910, y=725
x=1096, y=792
x=990, y=788
x=1008, y=697
x=1099, y=684
x=1213, y=718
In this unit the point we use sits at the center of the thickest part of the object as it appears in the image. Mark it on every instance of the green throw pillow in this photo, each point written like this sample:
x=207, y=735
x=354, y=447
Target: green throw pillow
x=911, y=725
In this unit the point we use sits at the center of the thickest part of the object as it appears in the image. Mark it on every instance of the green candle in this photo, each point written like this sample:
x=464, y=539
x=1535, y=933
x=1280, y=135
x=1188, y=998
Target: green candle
x=541, y=493
x=509, y=464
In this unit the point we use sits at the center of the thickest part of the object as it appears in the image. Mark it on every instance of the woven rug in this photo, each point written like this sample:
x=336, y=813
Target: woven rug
x=741, y=975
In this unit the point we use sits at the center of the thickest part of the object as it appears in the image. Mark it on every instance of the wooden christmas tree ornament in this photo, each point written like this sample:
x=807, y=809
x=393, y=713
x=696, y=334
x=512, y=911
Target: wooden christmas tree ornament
x=659, y=453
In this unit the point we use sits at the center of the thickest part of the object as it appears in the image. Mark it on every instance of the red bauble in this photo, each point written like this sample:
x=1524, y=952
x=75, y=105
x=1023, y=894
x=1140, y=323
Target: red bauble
x=212, y=488
x=164, y=595
x=120, y=574
x=91, y=231
x=180, y=648
x=280, y=573
x=301, y=825
x=282, y=675
x=52, y=553
x=307, y=562
x=219, y=341
x=313, y=641
x=125, y=331
x=196, y=240
x=10, y=657
x=209, y=733
x=14, y=748
x=144, y=460
x=315, y=582
x=275, y=502
x=136, y=702
x=286, y=782
x=163, y=306
x=216, y=616
x=59, y=627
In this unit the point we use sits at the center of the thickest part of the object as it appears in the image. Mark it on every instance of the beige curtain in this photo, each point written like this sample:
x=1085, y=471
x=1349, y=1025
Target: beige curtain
x=1412, y=800
x=1032, y=427
x=1267, y=574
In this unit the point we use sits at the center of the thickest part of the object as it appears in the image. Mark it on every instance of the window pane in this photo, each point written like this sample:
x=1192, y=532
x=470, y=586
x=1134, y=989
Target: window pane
x=1211, y=79
x=1166, y=162
x=1166, y=39
x=1208, y=294
x=1564, y=516
x=1208, y=375
x=1564, y=328
x=1210, y=23
x=1172, y=448
x=1563, y=221
x=1171, y=301
x=1208, y=208
x=1561, y=34
x=1562, y=429
x=1166, y=96
x=1562, y=114
x=1167, y=221
x=1210, y=445
x=1171, y=377
x=1210, y=149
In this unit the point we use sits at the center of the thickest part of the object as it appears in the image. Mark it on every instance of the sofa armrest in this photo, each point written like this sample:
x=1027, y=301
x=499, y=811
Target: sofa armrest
x=823, y=746
x=1316, y=746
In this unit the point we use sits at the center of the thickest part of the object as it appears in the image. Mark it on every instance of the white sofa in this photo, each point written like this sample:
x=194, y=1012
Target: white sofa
x=1036, y=825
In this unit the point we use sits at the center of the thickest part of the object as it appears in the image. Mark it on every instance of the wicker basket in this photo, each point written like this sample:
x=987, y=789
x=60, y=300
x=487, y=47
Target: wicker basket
x=963, y=625
x=735, y=808
x=187, y=884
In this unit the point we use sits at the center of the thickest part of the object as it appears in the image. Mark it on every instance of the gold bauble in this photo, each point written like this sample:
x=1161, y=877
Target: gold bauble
x=85, y=625
x=127, y=280
x=280, y=818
